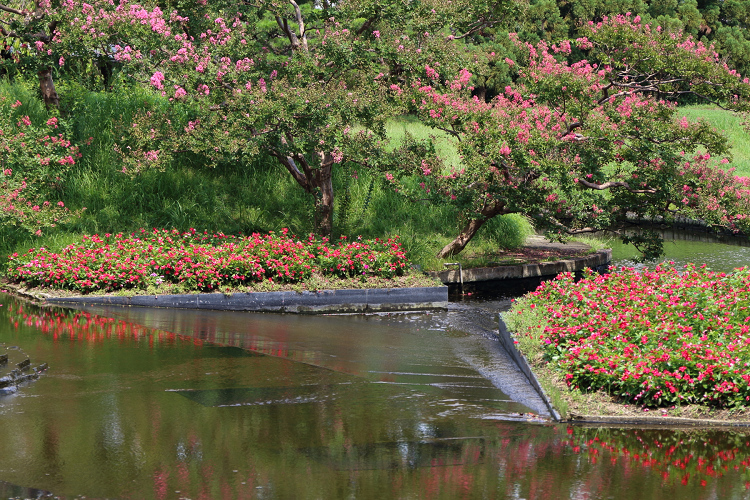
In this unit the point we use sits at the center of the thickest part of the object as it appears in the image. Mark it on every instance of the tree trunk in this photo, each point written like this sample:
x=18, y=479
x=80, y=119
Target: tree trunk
x=47, y=88
x=481, y=93
x=319, y=183
x=470, y=229
x=323, y=181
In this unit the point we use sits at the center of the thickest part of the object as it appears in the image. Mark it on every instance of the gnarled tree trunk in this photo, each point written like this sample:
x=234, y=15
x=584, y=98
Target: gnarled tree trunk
x=470, y=229
x=47, y=88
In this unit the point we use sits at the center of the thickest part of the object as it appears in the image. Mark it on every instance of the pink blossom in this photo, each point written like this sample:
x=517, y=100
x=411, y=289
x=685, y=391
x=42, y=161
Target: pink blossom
x=157, y=79
x=431, y=73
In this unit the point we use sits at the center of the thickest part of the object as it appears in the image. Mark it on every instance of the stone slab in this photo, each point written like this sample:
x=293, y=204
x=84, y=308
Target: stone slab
x=542, y=269
x=324, y=301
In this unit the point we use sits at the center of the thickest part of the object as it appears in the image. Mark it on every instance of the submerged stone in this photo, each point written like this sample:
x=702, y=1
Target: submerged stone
x=16, y=369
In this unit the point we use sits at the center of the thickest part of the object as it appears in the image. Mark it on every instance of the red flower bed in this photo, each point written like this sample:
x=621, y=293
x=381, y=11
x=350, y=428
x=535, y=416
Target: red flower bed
x=653, y=337
x=201, y=262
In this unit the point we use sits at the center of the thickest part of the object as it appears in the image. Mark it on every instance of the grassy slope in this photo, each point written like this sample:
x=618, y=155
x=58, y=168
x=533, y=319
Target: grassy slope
x=731, y=125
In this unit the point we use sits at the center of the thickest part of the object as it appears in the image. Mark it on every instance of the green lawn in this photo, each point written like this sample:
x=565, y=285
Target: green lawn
x=732, y=125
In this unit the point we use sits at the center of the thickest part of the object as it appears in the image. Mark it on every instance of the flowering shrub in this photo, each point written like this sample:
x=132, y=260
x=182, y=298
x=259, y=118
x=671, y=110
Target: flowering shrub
x=34, y=157
x=653, y=337
x=201, y=261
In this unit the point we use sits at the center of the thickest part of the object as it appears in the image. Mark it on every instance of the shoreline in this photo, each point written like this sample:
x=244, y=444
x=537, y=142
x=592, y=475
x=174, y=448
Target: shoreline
x=336, y=301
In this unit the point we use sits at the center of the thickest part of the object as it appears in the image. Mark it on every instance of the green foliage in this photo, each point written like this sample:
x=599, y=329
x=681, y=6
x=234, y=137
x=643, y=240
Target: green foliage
x=730, y=124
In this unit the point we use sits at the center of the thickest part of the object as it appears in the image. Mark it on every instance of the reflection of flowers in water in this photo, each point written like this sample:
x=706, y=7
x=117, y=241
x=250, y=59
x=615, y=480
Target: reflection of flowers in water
x=87, y=327
x=689, y=457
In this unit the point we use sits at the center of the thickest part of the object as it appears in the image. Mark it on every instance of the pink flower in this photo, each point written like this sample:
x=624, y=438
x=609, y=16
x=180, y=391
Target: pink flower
x=157, y=79
x=431, y=73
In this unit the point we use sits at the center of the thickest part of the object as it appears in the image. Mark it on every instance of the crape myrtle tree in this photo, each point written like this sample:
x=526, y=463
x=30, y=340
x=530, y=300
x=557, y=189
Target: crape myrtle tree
x=586, y=146
x=723, y=23
x=27, y=32
x=35, y=153
x=307, y=83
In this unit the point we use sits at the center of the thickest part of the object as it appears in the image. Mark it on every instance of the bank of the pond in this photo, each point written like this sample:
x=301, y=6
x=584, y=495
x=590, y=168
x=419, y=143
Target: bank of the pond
x=596, y=408
x=658, y=347
x=268, y=273
x=360, y=300
x=525, y=268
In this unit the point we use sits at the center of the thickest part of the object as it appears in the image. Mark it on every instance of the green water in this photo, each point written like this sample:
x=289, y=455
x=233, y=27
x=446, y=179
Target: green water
x=719, y=254
x=230, y=405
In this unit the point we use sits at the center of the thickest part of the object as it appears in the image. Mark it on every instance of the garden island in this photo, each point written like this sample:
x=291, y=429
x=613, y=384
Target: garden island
x=164, y=147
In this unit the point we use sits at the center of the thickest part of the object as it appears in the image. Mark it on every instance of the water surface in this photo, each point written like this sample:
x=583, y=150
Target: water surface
x=216, y=405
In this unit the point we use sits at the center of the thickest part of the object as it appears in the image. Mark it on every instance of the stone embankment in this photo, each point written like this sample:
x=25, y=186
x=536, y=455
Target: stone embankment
x=16, y=369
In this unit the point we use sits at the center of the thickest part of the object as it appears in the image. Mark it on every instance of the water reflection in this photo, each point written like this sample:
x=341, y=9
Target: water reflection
x=131, y=412
x=718, y=253
x=692, y=458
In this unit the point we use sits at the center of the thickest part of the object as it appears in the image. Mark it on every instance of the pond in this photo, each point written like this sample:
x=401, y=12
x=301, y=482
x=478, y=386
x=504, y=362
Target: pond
x=144, y=403
x=682, y=247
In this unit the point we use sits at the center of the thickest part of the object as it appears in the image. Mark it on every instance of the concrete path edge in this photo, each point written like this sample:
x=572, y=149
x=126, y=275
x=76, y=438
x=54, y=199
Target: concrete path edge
x=320, y=302
x=506, y=339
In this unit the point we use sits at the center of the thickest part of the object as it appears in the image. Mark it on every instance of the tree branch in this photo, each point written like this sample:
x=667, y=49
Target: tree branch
x=13, y=11
x=613, y=184
x=301, y=22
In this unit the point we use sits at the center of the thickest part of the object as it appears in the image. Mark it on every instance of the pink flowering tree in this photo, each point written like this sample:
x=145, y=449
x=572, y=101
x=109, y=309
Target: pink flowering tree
x=27, y=29
x=581, y=147
x=306, y=84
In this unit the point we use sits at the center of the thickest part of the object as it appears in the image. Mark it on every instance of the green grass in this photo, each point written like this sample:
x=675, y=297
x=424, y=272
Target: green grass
x=730, y=124
x=396, y=129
